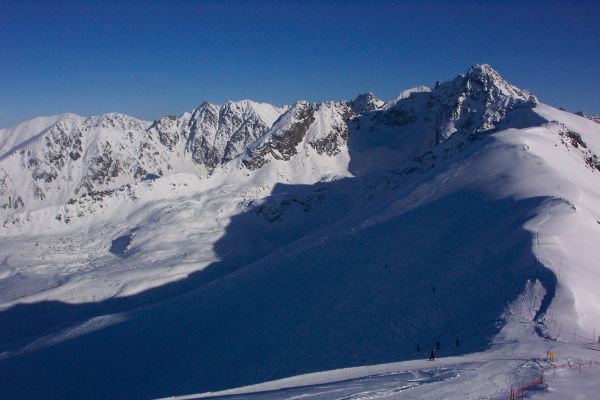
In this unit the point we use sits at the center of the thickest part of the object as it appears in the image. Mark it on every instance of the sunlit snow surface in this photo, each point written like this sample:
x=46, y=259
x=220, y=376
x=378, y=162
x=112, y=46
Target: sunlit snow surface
x=206, y=263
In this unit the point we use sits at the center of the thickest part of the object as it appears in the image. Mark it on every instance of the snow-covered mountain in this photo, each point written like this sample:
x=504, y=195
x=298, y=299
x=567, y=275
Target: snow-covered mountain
x=214, y=134
x=57, y=159
x=51, y=161
x=246, y=242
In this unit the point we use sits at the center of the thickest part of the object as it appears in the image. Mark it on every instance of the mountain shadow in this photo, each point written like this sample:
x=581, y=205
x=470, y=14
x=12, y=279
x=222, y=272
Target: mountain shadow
x=304, y=285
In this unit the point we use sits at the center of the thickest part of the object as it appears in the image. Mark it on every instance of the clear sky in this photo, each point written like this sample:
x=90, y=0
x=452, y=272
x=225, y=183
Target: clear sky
x=150, y=58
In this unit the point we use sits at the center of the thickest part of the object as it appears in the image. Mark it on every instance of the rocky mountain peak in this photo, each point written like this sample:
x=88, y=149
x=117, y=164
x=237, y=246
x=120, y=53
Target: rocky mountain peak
x=475, y=103
x=484, y=78
x=203, y=108
x=483, y=71
x=118, y=121
x=281, y=140
x=365, y=102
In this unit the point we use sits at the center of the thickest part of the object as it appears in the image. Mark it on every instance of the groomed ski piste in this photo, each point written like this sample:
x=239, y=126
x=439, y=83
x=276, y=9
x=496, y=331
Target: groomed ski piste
x=312, y=273
x=509, y=364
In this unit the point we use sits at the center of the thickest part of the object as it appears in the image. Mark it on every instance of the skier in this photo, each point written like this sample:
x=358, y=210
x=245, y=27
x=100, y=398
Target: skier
x=432, y=355
x=457, y=343
x=418, y=348
x=437, y=344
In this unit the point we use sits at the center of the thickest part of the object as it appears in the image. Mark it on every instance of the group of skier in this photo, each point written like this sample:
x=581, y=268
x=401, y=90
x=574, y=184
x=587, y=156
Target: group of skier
x=436, y=348
x=433, y=351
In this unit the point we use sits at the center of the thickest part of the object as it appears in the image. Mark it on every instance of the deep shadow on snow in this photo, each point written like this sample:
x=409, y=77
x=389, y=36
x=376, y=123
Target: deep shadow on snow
x=339, y=298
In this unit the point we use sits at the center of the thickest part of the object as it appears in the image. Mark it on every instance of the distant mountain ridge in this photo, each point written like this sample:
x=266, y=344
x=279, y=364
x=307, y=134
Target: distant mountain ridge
x=68, y=155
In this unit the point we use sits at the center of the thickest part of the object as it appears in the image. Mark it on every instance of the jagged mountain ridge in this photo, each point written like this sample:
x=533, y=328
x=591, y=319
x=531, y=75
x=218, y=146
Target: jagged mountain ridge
x=214, y=134
x=72, y=156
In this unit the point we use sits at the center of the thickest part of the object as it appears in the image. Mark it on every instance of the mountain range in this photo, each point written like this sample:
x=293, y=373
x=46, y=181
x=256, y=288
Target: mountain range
x=245, y=242
x=52, y=160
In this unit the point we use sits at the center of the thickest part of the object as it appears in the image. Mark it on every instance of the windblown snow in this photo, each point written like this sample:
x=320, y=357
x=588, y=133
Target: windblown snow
x=244, y=243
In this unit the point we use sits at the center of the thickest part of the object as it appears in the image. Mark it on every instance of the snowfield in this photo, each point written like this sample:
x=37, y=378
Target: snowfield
x=246, y=251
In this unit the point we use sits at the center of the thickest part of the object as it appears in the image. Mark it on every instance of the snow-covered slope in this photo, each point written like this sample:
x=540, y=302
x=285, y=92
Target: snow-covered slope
x=243, y=243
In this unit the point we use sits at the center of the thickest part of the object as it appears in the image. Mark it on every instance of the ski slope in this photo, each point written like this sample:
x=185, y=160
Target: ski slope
x=508, y=363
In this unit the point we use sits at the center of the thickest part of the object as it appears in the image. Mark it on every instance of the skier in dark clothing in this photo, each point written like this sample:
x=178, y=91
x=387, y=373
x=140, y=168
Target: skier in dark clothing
x=418, y=348
x=457, y=343
x=437, y=345
x=432, y=355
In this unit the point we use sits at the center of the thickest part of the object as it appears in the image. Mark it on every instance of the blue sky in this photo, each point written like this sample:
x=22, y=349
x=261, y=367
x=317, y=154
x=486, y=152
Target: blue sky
x=148, y=59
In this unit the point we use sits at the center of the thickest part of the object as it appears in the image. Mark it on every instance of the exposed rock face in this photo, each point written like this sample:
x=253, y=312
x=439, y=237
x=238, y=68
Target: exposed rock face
x=119, y=152
x=214, y=134
x=168, y=129
x=203, y=128
x=219, y=134
x=62, y=145
x=573, y=140
x=8, y=197
x=281, y=142
x=331, y=130
x=474, y=103
x=80, y=155
x=470, y=104
x=240, y=127
x=364, y=103
x=74, y=155
x=322, y=127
